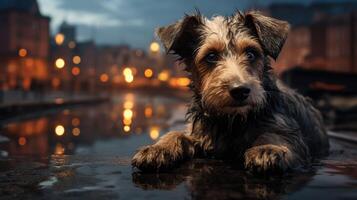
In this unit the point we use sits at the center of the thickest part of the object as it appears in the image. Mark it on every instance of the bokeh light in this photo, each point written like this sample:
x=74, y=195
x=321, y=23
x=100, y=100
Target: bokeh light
x=22, y=52
x=148, y=73
x=76, y=131
x=22, y=141
x=76, y=71
x=59, y=38
x=104, y=78
x=154, y=47
x=60, y=63
x=59, y=130
x=76, y=60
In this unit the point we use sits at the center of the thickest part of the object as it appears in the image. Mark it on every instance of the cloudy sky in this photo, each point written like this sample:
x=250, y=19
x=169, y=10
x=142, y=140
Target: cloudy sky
x=133, y=21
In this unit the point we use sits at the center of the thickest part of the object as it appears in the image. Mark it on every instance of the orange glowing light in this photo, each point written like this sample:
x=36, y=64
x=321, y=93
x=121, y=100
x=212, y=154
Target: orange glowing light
x=128, y=113
x=59, y=130
x=60, y=63
x=76, y=71
x=128, y=104
x=59, y=149
x=76, y=122
x=76, y=131
x=76, y=60
x=22, y=52
x=56, y=82
x=154, y=132
x=59, y=38
x=127, y=72
x=129, y=78
x=164, y=75
x=126, y=128
x=155, y=47
x=183, y=82
x=104, y=78
x=22, y=141
x=127, y=121
x=148, y=73
x=148, y=111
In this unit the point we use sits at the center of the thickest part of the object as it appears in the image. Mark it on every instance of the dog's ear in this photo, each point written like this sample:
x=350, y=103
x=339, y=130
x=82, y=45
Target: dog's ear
x=271, y=32
x=182, y=37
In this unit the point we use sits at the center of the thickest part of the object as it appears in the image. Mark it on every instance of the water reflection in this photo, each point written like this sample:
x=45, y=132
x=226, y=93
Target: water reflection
x=61, y=133
x=210, y=179
x=86, y=151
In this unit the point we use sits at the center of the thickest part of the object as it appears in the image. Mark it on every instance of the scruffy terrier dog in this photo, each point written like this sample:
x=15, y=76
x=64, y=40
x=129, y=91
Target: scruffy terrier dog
x=239, y=110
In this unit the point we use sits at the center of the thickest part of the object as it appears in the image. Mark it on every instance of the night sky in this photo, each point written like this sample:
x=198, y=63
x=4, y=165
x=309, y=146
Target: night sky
x=133, y=21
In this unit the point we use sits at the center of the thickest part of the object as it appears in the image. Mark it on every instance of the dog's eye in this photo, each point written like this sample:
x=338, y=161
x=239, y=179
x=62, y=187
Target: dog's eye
x=251, y=56
x=211, y=57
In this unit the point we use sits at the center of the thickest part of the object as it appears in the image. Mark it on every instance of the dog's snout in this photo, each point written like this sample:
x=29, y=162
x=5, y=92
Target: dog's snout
x=239, y=93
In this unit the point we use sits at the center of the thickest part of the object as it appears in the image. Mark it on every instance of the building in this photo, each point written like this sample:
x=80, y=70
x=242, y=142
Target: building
x=334, y=43
x=322, y=37
x=24, y=49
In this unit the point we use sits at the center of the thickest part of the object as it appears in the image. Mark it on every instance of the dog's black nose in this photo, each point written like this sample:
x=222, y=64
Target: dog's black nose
x=239, y=93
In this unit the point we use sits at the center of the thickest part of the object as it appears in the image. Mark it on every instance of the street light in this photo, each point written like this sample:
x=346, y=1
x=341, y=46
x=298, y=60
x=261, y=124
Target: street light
x=154, y=47
x=76, y=60
x=148, y=73
x=60, y=63
x=59, y=38
x=22, y=52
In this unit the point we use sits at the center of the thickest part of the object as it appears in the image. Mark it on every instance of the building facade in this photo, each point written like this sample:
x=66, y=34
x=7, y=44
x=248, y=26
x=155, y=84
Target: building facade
x=24, y=49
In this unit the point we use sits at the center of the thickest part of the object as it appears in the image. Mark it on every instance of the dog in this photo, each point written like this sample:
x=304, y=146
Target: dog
x=239, y=111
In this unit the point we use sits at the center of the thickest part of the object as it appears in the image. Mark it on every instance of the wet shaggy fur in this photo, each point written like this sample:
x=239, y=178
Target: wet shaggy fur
x=271, y=129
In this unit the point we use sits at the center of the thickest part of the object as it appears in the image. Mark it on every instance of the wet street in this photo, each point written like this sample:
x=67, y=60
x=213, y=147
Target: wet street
x=85, y=152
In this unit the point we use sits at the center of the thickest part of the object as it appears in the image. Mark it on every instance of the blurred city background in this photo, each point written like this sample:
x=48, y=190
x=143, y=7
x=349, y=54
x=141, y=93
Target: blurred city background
x=87, y=77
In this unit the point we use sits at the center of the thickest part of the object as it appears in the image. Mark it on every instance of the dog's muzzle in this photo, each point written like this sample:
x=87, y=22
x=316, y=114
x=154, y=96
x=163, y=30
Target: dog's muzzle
x=239, y=93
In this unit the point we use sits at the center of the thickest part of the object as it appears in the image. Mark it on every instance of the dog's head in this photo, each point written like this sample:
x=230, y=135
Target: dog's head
x=226, y=57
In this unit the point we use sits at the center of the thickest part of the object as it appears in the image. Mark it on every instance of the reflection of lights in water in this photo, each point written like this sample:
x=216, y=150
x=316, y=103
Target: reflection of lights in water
x=59, y=130
x=22, y=141
x=128, y=113
x=148, y=111
x=126, y=128
x=128, y=104
x=129, y=78
x=148, y=73
x=164, y=75
x=128, y=75
x=76, y=131
x=75, y=122
x=127, y=121
x=59, y=100
x=154, y=132
x=59, y=149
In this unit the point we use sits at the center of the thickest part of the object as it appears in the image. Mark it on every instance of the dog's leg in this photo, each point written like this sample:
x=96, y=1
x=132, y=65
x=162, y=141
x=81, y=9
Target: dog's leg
x=166, y=153
x=275, y=153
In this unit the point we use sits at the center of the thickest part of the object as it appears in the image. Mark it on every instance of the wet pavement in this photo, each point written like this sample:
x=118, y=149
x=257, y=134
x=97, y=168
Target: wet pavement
x=84, y=152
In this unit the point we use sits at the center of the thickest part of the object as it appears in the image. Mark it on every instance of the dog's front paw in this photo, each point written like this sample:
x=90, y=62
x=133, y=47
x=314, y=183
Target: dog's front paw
x=154, y=158
x=268, y=158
